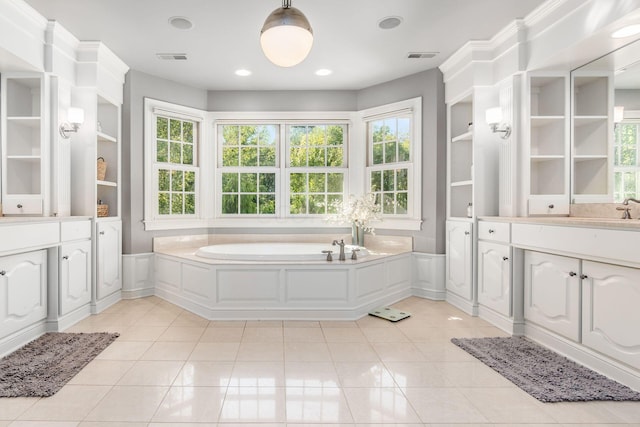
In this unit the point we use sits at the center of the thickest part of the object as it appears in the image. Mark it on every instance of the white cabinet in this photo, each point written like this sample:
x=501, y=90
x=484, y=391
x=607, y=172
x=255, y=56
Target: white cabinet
x=23, y=290
x=75, y=276
x=611, y=311
x=494, y=277
x=548, y=144
x=109, y=258
x=552, y=293
x=459, y=262
x=25, y=146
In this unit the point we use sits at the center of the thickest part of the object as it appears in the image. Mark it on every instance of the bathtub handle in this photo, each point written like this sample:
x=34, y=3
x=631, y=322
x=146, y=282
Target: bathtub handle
x=354, y=255
x=329, y=257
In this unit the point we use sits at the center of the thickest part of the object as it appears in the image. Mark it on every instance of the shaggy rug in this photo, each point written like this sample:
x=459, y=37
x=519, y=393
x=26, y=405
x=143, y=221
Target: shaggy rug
x=543, y=374
x=42, y=367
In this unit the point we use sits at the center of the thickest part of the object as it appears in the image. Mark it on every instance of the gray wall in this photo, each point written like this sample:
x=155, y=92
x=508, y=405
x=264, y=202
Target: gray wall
x=629, y=98
x=427, y=84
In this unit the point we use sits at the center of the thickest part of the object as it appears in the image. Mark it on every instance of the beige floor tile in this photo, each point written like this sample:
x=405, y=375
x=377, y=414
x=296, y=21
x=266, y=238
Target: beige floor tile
x=182, y=333
x=443, y=352
x=311, y=374
x=473, y=374
x=398, y=352
x=204, y=374
x=71, y=403
x=317, y=405
x=418, y=374
x=216, y=351
x=303, y=335
x=364, y=374
x=125, y=350
x=189, y=319
x=257, y=374
x=374, y=322
x=222, y=334
x=627, y=411
x=352, y=352
x=264, y=324
x=102, y=372
x=255, y=352
x=443, y=405
x=141, y=333
x=152, y=372
x=191, y=404
x=227, y=323
x=306, y=352
x=262, y=334
x=346, y=335
x=507, y=405
x=380, y=405
x=253, y=405
x=43, y=424
x=582, y=412
x=127, y=403
x=11, y=408
x=384, y=335
x=338, y=324
x=169, y=351
x=111, y=424
x=301, y=324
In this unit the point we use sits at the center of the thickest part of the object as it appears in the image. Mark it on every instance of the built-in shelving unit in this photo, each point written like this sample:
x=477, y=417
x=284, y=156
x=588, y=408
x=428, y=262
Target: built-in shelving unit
x=460, y=157
x=24, y=143
x=108, y=148
x=591, y=137
x=548, y=157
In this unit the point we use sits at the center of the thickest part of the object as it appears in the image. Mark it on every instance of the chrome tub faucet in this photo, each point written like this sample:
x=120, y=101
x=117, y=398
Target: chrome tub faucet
x=341, y=257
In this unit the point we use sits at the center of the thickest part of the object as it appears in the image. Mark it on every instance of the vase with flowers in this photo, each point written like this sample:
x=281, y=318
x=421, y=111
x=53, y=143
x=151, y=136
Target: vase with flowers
x=359, y=212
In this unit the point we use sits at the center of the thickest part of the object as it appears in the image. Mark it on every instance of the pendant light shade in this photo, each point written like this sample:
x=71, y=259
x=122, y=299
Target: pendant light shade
x=286, y=37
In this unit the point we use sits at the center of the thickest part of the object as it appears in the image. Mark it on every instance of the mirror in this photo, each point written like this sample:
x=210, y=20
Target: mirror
x=620, y=178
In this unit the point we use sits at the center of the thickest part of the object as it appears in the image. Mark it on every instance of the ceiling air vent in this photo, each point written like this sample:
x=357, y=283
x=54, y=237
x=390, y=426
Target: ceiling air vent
x=421, y=55
x=172, y=56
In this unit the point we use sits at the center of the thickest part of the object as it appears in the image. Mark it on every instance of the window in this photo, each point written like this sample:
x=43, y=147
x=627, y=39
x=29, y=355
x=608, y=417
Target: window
x=248, y=159
x=316, y=168
x=173, y=137
x=626, y=164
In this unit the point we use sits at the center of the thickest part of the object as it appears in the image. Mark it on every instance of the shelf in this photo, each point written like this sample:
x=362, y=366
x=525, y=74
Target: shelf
x=589, y=157
x=585, y=120
x=467, y=136
x=24, y=158
x=544, y=158
x=107, y=183
x=28, y=121
x=106, y=138
x=538, y=121
x=461, y=183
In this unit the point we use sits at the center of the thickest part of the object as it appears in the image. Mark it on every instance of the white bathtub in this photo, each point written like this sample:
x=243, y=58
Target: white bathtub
x=276, y=251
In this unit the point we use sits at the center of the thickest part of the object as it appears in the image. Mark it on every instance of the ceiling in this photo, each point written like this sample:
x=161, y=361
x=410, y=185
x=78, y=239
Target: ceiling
x=225, y=37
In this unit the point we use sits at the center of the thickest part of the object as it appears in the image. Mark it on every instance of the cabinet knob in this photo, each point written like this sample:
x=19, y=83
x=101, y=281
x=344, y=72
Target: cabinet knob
x=102, y=233
x=584, y=276
x=551, y=206
x=466, y=233
x=19, y=205
x=65, y=257
x=505, y=258
x=2, y=273
x=572, y=273
x=491, y=231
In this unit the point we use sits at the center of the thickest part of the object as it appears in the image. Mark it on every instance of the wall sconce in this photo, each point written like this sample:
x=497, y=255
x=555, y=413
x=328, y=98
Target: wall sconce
x=75, y=117
x=618, y=114
x=494, y=119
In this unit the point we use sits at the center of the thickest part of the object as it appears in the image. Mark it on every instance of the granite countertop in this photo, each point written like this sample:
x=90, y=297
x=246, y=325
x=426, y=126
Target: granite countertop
x=574, y=221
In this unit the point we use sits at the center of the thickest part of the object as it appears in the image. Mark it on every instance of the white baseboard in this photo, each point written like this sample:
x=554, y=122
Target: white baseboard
x=429, y=276
x=70, y=319
x=20, y=338
x=498, y=320
x=463, y=304
x=106, y=302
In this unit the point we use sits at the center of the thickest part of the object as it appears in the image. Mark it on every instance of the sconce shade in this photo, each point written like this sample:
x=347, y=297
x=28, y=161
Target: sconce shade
x=75, y=115
x=286, y=37
x=493, y=115
x=618, y=113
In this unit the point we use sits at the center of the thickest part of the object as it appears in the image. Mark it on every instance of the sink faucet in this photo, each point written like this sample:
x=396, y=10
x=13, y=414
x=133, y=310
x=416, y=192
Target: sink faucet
x=626, y=201
x=341, y=257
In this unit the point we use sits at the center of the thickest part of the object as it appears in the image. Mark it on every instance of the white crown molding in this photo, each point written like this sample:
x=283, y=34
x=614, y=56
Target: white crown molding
x=98, y=52
x=542, y=11
x=30, y=13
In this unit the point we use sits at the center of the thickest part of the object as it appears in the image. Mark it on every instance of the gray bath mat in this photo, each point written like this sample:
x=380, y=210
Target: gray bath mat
x=390, y=314
x=543, y=374
x=42, y=367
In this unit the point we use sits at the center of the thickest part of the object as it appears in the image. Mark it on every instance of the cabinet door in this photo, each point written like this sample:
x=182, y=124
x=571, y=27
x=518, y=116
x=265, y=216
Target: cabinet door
x=611, y=311
x=23, y=290
x=109, y=258
x=75, y=275
x=552, y=293
x=494, y=277
x=459, y=258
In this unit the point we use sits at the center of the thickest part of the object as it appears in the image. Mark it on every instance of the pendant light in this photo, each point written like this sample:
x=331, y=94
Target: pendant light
x=286, y=37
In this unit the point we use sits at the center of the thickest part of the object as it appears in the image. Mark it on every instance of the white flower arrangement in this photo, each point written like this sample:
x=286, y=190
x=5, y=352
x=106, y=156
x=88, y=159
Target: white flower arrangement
x=358, y=211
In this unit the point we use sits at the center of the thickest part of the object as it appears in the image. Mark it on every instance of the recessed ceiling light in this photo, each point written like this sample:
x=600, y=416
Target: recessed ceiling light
x=243, y=73
x=629, y=30
x=181, y=22
x=389, y=22
x=323, y=72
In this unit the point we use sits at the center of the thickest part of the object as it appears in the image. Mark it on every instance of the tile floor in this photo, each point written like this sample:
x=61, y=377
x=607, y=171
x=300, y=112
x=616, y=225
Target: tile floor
x=172, y=368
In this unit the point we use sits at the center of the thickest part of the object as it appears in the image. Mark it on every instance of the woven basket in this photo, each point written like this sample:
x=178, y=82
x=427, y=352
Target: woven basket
x=102, y=169
x=103, y=210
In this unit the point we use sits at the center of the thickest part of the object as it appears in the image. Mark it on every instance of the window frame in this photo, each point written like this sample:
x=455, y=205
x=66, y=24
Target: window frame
x=152, y=219
x=633, y=118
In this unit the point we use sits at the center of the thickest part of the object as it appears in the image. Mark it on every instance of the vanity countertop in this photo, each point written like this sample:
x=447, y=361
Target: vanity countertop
x=8, y=220
x=574, y=221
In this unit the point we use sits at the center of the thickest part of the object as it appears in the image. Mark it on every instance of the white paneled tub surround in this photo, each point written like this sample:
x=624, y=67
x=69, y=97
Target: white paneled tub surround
x=292, y=290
